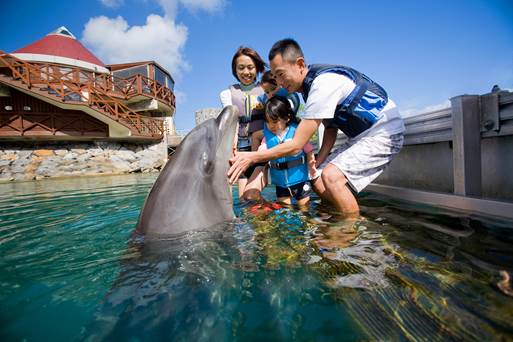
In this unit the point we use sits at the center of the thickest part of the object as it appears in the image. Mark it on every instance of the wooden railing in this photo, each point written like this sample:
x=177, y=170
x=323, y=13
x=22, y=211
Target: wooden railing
x=98, y=91
x=134, y=86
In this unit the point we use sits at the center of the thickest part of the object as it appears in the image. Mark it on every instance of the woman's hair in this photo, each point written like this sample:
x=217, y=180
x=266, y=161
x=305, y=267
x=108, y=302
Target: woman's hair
x=246, y=51
x=267, y=77
x=278, y=107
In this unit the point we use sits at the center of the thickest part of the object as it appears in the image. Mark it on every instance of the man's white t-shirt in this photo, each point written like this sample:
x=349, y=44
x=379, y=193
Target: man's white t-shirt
x=330, y=89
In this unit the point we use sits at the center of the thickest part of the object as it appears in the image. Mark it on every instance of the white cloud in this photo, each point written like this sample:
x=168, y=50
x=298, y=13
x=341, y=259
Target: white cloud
x=112, y=3
x=170, y=6
x=181, y=97
x=160, y=39
x=206, y=5
x=415, y=111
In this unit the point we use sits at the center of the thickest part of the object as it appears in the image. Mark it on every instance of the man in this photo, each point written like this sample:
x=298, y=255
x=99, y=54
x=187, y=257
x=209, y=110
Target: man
x=340, y=98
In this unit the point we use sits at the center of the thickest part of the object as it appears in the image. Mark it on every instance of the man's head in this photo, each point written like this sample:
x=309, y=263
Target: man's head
x=287, y=64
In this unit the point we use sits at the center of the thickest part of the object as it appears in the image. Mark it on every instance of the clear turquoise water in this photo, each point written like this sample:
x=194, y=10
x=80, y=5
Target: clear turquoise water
x=69, y=270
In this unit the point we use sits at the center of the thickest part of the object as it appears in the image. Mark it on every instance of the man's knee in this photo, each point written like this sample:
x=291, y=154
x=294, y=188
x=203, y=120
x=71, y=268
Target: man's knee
x=332, y=174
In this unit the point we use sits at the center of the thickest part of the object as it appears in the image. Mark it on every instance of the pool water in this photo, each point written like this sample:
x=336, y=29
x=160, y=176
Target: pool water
x=70, y=269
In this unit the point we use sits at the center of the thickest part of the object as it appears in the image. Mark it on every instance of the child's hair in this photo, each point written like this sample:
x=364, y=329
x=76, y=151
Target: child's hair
x=278, y=107
x=267, y=77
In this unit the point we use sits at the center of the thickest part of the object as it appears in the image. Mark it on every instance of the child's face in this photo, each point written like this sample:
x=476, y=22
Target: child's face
x=269, y=89
x=277, y=126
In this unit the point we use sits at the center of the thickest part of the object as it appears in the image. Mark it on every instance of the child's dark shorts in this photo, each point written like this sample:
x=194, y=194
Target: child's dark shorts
x=298, y=191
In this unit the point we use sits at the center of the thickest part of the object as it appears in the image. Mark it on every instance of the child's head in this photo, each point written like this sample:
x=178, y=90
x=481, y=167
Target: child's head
x=279, y=113
x=269, y=84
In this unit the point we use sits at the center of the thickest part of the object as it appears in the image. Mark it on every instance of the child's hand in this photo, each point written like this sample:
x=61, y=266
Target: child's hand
x=312, y=169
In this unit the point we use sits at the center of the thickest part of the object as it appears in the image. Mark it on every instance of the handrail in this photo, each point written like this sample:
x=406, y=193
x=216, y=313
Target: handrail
x=77, y=85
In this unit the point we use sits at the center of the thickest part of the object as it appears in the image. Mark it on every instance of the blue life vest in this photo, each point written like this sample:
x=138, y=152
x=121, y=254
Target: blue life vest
x=361, y=108
x=290, y=170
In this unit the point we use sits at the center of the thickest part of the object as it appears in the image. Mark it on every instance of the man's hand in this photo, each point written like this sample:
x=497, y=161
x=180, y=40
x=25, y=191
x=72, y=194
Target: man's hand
x=239, y=163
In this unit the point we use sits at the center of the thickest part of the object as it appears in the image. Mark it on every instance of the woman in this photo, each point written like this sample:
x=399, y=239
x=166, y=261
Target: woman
x=246, y=66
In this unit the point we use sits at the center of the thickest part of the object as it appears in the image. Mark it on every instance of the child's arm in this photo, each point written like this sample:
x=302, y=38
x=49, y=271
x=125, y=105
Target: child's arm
x=310, y=160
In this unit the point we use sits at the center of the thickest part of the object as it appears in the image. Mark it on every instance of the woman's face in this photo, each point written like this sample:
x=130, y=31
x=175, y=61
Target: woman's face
x=245, y=69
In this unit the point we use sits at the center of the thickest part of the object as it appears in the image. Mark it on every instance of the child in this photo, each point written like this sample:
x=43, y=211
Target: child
x=289, y=174
x=270, y=88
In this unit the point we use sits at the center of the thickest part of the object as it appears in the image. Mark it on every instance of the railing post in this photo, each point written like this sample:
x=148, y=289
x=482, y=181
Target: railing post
x=29, y=83
x=466, y=145
x=139, y=84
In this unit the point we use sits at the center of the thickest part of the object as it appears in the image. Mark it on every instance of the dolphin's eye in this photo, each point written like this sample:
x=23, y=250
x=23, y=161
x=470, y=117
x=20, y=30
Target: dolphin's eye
x=204, y=158
x=208, y=166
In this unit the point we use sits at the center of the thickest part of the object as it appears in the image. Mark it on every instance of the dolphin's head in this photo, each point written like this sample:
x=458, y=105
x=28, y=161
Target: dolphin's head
x=192, y=191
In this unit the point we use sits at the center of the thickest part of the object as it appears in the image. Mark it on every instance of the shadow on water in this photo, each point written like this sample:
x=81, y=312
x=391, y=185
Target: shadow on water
x=70, y=270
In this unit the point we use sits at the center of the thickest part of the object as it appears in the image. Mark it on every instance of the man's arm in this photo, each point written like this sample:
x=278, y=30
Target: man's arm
x=242, y=160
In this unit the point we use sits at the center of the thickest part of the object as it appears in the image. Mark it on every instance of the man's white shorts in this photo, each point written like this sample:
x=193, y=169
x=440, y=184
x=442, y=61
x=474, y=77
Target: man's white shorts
x=363, y=159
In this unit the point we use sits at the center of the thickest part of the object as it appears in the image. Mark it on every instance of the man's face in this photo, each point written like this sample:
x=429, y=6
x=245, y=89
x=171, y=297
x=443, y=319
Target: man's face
x=288, y=74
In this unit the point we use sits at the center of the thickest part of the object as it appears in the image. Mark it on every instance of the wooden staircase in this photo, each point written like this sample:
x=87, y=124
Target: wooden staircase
x=78, y=88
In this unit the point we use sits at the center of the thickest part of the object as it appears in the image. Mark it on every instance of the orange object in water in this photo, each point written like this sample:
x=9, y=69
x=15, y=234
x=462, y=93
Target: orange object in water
x=264, y=208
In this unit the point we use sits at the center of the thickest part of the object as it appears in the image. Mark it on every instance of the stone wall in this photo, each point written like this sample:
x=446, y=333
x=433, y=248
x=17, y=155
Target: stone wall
x=21, y=161
x=205, y=114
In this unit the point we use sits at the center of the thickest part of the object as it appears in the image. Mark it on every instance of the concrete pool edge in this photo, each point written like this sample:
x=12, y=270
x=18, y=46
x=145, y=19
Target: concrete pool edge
x=470, y=204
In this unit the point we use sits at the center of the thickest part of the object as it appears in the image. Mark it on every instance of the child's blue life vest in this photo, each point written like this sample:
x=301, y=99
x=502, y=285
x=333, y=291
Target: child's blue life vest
x=290, y=170
x=361, y=108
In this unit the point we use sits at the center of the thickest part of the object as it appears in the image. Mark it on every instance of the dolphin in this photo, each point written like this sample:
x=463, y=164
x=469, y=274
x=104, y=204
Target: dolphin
x=192, y=191
x=187, y=216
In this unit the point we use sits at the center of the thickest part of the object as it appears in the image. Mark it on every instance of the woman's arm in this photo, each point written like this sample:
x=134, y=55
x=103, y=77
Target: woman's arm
x=226, y=98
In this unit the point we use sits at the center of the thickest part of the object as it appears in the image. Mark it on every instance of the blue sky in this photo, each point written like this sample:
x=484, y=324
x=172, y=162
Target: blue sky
x=423, y=53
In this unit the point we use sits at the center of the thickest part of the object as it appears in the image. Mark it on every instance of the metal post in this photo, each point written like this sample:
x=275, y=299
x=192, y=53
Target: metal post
x=466, y=127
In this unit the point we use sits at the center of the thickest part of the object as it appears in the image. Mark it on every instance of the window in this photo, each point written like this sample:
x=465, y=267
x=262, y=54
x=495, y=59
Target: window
x=160, y=76
x=126, y=73
x=163, y=78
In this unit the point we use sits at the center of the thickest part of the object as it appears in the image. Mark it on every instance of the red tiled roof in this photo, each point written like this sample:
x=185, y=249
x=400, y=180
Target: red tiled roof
x=62, y=46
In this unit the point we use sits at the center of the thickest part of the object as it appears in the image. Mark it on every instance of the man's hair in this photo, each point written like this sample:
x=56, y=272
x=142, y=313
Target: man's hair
x=288, y=48
x=247, y=51
x=278, y=107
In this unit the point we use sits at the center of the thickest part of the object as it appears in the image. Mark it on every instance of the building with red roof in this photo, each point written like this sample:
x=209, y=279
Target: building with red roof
x=61, y=47
x=57, y=74
x=63, y=112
